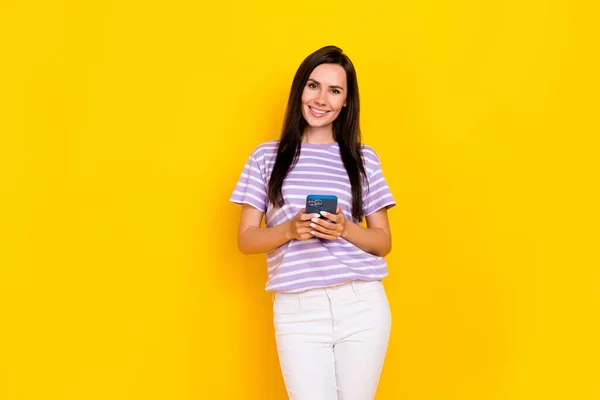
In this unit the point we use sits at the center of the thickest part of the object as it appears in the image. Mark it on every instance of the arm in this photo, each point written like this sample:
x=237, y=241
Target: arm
x=376, y=238
x=252, y=238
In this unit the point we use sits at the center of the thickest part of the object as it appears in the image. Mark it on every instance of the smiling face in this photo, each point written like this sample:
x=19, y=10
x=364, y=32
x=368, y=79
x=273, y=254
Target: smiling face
x=324, y=95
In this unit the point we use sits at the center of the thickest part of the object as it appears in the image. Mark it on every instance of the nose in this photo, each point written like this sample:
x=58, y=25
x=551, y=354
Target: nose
x=320, y=99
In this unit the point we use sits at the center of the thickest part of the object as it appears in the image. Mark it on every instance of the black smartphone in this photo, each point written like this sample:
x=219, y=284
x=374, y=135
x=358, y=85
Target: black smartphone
x=315, y=203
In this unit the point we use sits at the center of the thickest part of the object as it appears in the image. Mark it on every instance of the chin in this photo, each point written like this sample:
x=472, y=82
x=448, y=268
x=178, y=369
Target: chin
x=318, y=124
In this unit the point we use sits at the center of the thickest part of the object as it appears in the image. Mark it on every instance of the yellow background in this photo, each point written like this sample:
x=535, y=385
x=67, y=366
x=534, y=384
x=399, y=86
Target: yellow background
x=124, y=126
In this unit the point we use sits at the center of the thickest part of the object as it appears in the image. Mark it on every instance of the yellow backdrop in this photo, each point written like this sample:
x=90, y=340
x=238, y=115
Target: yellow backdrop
x=125, y=124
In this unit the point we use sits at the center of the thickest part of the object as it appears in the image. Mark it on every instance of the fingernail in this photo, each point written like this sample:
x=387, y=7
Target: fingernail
x=312, y=232
x=315, y=220
x=323, y=213
x=313, y=225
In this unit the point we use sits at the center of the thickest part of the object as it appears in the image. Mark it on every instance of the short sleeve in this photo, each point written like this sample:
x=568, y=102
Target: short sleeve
x=377, y=194
x=251, y=187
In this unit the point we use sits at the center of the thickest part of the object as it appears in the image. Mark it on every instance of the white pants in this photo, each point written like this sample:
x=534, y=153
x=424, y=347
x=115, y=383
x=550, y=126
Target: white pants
x=332, y=341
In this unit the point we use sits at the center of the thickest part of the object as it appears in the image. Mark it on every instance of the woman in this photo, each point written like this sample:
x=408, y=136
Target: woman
x=331, y=314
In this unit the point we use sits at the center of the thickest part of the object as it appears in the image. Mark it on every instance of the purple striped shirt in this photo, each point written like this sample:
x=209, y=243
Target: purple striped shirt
x=314, y=263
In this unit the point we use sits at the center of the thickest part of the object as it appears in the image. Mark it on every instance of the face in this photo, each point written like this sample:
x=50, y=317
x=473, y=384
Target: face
x=324, y=95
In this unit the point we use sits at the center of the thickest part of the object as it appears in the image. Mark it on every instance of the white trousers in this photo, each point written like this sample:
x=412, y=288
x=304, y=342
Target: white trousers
x=332, y=341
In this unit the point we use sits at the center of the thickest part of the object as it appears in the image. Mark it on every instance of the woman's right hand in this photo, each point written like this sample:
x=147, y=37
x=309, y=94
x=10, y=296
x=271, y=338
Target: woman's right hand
x=299, y=227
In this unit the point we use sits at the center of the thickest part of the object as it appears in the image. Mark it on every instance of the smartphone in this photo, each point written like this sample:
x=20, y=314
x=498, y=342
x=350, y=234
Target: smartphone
x=315, y=203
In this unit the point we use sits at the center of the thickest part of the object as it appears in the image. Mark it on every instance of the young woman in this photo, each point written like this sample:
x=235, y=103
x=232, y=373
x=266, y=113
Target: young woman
x=331, y=314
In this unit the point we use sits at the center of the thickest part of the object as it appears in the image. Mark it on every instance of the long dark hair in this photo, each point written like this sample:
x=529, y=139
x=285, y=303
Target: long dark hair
x=346, y=129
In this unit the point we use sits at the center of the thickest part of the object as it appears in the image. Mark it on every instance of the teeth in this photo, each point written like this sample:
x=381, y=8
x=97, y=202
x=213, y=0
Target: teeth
x=317, y=111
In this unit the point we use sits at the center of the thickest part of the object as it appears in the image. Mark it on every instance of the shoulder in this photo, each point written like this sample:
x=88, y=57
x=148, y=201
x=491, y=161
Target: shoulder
x=267, y=148
x=369, y=154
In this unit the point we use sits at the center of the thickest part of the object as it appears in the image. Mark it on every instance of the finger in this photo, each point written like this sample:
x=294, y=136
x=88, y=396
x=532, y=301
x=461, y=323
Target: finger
x=323, y=235
x=302, y=231
x=301, y=213
x=318, y=228
x=324, y=223
x=305, y=217
x=333, y=217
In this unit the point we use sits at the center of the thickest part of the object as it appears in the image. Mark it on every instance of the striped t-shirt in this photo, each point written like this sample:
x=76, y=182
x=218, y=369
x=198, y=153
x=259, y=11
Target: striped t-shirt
x=299, y=265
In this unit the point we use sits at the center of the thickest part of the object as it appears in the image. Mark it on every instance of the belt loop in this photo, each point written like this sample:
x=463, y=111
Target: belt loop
x=355, y=290
x=299, y=297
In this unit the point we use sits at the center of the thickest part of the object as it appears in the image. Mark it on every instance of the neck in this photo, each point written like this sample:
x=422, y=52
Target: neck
x=319, y=135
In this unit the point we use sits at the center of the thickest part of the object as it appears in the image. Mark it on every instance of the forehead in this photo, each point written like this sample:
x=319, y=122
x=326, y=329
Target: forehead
x=329, y=75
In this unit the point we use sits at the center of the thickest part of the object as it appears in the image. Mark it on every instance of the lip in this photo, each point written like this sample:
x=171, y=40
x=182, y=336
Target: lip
x=316, y=114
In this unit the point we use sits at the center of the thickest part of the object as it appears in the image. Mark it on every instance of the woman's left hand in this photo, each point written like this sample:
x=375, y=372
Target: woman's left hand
x=329, y=230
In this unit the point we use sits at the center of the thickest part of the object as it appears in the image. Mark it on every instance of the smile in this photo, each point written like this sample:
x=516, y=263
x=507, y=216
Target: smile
x=317, y=113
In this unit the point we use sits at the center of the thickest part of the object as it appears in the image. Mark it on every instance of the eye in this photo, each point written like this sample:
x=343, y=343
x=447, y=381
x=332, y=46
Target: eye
x=335, y=91
x=312, y=85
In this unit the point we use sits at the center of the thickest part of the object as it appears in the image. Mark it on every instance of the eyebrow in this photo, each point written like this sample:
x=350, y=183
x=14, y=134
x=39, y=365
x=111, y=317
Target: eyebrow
x=332, y=86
